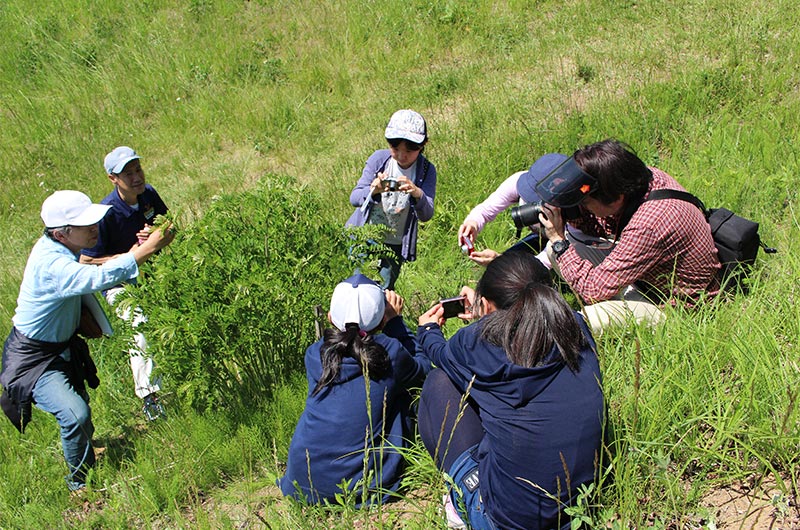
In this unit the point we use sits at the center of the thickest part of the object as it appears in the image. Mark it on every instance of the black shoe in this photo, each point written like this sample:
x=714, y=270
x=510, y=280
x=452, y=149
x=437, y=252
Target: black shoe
x=152, y=407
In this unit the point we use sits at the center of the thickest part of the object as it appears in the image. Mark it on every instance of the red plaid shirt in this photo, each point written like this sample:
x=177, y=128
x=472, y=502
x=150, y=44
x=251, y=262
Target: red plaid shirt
x=667, y=244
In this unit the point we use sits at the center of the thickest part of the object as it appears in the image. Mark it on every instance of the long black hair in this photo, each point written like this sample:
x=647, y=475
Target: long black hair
x=352, y=342
x=531, y=317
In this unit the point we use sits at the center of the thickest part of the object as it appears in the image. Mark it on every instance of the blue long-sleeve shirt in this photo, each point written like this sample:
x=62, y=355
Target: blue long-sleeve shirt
x=343, y=421
x=49, y=301
x=536, y=422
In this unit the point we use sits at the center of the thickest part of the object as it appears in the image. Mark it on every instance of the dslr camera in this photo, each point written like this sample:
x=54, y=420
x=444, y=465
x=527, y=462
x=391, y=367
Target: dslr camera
x=528, y=214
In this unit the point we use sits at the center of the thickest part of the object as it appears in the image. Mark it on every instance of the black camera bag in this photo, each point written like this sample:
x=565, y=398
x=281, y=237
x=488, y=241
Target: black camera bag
x=735, y=237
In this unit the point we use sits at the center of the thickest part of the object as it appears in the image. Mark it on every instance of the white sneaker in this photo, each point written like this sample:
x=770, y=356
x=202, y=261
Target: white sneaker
x=453, y=519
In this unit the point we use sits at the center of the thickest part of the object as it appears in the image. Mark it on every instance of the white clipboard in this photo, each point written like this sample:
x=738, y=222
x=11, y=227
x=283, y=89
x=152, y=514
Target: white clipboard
x=91, y=302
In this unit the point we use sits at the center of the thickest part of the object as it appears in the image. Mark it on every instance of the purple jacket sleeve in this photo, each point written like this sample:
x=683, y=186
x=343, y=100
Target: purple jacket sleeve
x=375, y=163
x=424, y=205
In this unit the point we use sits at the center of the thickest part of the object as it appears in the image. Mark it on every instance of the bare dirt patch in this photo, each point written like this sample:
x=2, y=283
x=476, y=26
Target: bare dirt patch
x=753, y=506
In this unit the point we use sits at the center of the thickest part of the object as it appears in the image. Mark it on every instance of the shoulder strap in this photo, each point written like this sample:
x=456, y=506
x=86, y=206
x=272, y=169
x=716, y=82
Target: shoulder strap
x=423, y=173
x=382, y=166
x=657, y=195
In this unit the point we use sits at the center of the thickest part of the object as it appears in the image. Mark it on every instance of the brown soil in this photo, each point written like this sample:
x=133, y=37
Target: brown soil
x=758, y=507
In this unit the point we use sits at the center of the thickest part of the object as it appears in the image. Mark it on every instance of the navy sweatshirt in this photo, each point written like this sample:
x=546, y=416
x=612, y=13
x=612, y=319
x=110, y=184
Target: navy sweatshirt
x=536, y=421
x=335, y=429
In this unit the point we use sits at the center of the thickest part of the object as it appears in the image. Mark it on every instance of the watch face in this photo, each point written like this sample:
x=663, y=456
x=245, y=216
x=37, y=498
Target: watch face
x=560, y=246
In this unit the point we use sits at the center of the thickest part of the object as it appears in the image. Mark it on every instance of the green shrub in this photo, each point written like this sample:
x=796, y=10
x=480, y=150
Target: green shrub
x=231, y=302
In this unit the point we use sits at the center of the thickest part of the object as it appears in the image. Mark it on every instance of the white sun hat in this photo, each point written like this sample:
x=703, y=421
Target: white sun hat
x=71, y=208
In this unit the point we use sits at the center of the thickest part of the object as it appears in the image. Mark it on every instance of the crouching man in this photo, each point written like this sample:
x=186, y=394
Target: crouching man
x=45, y=362
x=642, y=253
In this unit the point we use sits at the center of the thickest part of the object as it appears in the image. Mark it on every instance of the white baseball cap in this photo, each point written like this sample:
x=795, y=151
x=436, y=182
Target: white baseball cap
x=115, y=160
x=357, y=300
x=408, y=125
x=71, y=208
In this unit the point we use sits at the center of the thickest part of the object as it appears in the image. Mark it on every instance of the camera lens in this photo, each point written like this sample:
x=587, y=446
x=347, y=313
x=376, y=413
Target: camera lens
x=526, y=215
x=392, y=185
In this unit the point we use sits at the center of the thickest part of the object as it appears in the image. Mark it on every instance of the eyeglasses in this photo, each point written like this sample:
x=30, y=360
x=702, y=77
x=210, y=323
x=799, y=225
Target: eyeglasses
x=411, y=146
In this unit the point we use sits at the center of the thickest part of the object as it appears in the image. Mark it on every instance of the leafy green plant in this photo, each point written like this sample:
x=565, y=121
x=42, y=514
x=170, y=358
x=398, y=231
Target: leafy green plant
x=367, y=248
x=231, y=302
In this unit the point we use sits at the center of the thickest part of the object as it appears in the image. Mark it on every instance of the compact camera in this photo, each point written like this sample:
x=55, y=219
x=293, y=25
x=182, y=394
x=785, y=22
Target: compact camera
x=391, y=184
x=466, y=246
x=528, y=214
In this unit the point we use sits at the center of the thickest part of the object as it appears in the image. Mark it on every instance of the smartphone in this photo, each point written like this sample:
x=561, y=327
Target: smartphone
x=466, y=246
x=453, y=306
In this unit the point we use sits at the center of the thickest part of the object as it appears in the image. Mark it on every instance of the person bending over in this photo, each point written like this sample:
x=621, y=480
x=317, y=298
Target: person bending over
x=514, y=413
x=519, y=188
x=45, y=362
x=633, y=254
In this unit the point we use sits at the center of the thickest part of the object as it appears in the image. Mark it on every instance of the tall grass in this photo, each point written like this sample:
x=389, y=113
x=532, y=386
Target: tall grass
x=216, y=95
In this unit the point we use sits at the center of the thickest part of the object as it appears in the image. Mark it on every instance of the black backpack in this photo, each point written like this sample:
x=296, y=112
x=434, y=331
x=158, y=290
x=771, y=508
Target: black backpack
x=735, y=237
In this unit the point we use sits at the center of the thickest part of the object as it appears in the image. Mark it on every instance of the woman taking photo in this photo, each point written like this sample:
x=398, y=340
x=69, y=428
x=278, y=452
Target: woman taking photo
x=514, y=413
x=358, y=412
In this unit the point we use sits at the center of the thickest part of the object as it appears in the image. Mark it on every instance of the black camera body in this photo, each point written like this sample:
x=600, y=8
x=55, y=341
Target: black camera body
x=391, y=184
x=528, y=214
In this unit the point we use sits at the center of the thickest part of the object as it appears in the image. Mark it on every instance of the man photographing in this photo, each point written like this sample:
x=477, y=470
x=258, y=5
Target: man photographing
x=639, y=253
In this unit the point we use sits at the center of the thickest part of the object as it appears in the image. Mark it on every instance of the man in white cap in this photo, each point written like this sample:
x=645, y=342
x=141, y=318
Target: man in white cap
x=134, y=206
x=45, y=362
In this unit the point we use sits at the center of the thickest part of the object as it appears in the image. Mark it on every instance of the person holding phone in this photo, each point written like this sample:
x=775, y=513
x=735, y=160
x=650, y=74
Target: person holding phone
x=526, y=372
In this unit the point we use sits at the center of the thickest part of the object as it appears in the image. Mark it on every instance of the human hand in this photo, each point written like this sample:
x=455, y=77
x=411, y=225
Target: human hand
x=394, y=305
x=143, y=234
x=483, y=257
x=376, y=186
x=434, y=315
x=468, y=230
x=404, y=184
x=158, y=239
x=552, y=222
x=469, y=303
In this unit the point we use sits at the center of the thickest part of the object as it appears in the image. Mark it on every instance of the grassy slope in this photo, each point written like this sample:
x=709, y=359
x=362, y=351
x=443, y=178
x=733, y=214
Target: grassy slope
x=215, y=94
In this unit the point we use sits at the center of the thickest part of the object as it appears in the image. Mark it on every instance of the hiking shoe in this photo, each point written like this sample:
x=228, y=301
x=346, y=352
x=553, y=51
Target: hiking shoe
x=152, y=407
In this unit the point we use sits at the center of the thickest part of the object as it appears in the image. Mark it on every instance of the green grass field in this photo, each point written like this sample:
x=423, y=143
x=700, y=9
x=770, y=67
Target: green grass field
x=289, y=98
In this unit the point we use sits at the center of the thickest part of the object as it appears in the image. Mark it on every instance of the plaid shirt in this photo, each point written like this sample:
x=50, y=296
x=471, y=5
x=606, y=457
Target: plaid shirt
x=666, y=246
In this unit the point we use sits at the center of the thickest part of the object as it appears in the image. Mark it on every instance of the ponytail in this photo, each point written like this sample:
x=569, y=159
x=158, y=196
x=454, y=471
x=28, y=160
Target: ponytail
x=355, y=343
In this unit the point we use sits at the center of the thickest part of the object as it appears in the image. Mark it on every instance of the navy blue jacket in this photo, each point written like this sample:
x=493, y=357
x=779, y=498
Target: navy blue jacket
x=536, y=421
x=335, y=428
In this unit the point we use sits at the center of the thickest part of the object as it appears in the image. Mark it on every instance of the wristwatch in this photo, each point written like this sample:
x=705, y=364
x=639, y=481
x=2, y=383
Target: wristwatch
x=560, y=246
